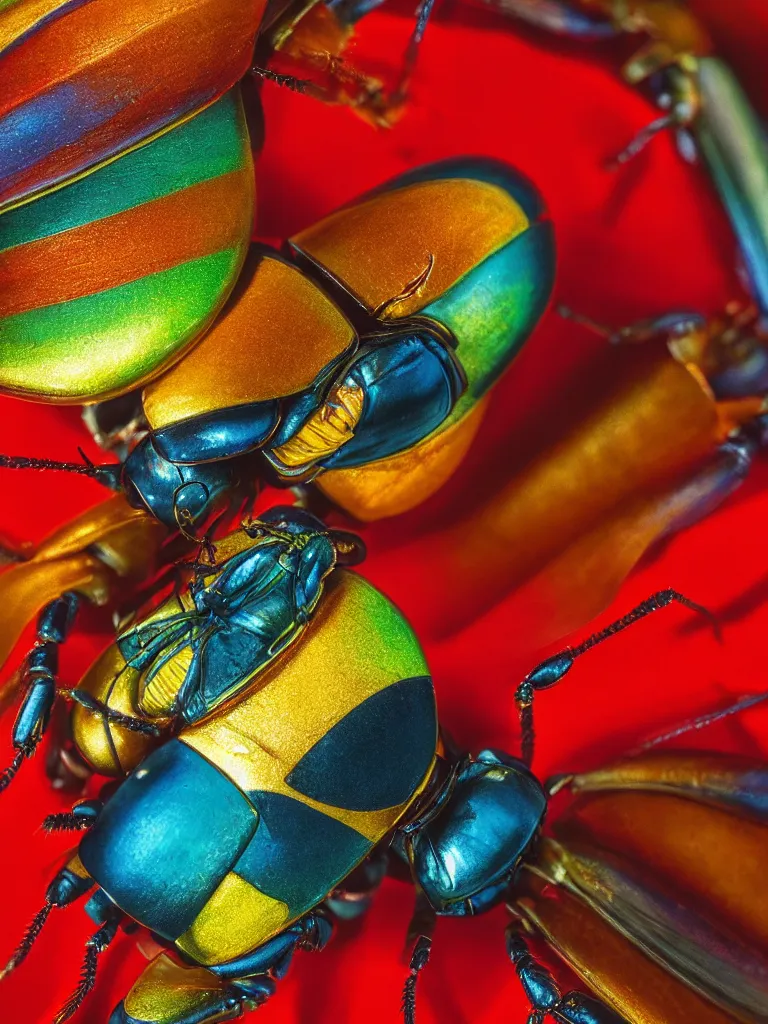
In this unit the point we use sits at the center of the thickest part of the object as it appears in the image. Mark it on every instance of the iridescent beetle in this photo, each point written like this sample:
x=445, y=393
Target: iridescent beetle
x=116, y=118
x=362, y=352
x=275, y=729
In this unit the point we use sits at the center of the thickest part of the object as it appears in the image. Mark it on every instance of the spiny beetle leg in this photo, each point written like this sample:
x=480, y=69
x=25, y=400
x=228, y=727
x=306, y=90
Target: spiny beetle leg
x=543, y=992
x=79, y=819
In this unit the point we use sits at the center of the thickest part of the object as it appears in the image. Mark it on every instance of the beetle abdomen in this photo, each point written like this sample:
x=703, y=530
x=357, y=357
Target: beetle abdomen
x=228, y=834
x=163, y=230
x=83, y=82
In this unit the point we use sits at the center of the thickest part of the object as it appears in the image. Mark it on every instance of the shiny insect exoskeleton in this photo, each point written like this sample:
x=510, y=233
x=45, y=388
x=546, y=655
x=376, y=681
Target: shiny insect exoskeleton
x=83, y=84
x=358, y=357
x=678, y=403
x=187, y=657
x=700, y=99
x=273, y=737
x=125, y=172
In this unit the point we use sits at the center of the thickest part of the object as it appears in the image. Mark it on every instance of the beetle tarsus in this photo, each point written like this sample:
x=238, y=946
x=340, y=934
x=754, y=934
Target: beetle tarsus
x=94, y=948
x=30, y=937
x=419, y=960
x=9, y=773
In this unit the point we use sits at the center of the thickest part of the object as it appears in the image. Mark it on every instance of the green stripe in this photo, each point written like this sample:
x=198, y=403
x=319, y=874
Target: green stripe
x=97, y=344
x=399, y=654
x=493, y=309
x=213, y=143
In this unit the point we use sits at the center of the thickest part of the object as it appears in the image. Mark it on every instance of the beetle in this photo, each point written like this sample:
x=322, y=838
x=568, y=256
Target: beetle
x=382, y=387
x=274, y=723
x=701, y=100
x=392, y=349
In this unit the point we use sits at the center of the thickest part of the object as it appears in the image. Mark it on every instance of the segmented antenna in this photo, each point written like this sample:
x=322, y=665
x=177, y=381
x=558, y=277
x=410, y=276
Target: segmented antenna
x=108, y=474
x=9, y=774
x=300, y=85
x=66, y=822
x=30, y=937
x=94, y=947
x=419, y=961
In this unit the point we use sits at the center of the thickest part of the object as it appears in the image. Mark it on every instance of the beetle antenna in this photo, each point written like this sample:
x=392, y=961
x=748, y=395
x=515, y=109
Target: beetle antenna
x=550, y=671
x=107, y=474
x=419, y=961
x=30, y=937
x=423, y=14
x=9, y=774
x=300, y=85
x=94, y=947
x=705, y=720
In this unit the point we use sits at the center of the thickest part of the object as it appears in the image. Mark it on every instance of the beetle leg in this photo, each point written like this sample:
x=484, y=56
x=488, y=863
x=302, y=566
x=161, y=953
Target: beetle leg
x=423, y=14
x=672, y=325
x=40, y=668
x=544, y=994
x=116, y=424
x=69, y=885
x=550, y=671
x=169, y=992
x=636, y=145
x=354, y=896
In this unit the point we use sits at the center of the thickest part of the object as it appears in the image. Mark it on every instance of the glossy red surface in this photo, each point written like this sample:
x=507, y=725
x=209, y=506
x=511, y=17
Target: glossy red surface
x=646, y=240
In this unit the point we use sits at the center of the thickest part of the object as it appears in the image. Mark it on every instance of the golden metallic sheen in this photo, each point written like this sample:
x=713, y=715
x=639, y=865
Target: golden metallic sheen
x=326, y=430
x=108, y=748
x=652, y=422
x=225, y=927
x=451, y=225
x=168, y=990
x=715, y=857
x=637, y=988
x=390, y=486
x=275, y=335
x=89, y=555
x=355, y=645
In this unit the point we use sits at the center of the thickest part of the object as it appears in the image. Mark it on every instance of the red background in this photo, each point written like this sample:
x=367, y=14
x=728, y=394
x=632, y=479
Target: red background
x=630, y=244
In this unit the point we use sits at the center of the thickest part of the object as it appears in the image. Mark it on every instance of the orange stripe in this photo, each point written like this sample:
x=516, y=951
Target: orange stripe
x=170, y=49
x=176, y=57
x=155, y=236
